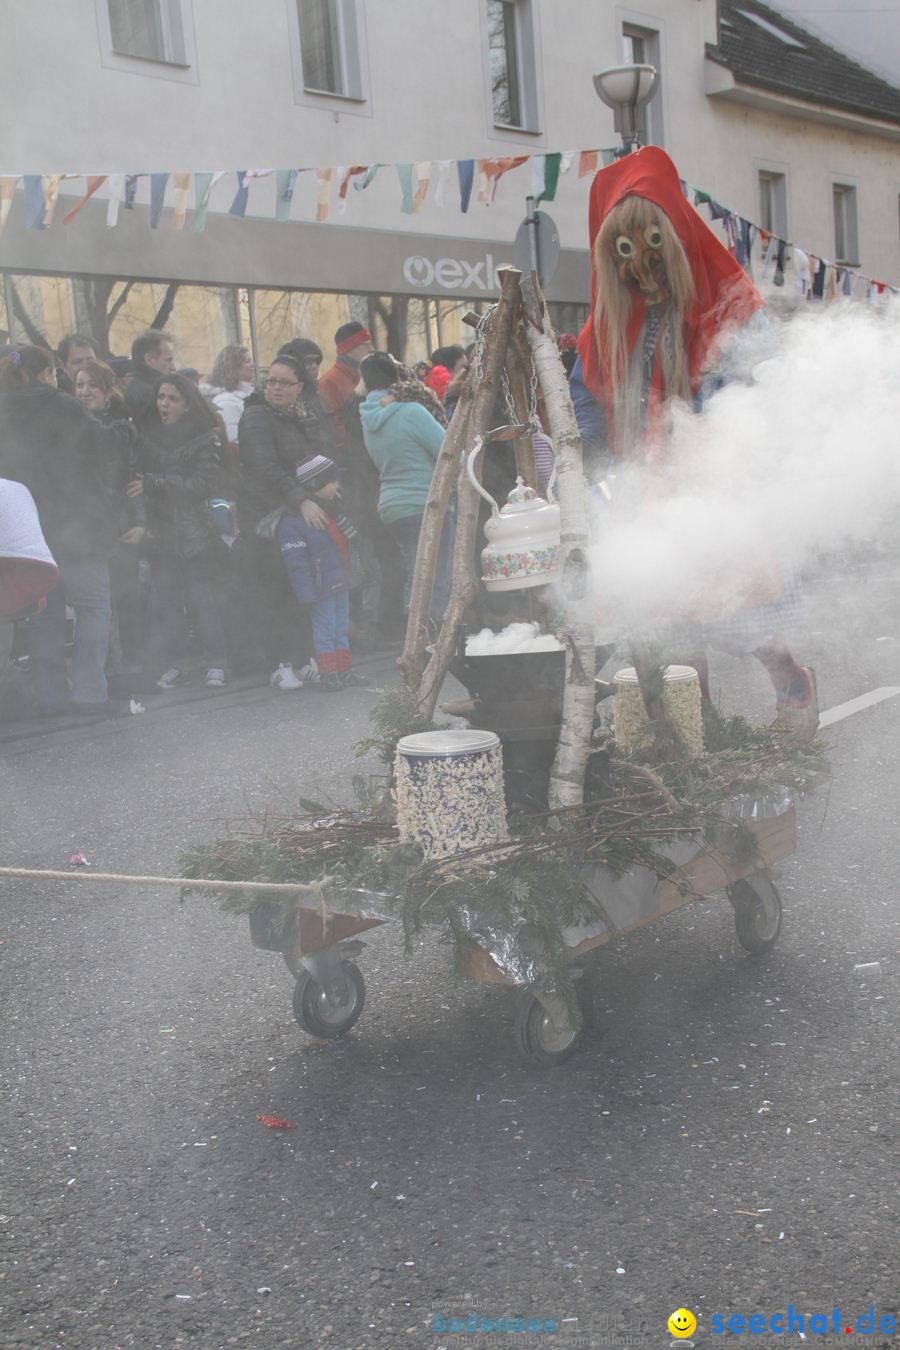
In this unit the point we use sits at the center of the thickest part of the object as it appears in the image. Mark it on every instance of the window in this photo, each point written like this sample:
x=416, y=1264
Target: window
x=329, y=47
x=511, y=64
x=151, y=30
x=773, y=202
x=846, y=241
x=640, y=47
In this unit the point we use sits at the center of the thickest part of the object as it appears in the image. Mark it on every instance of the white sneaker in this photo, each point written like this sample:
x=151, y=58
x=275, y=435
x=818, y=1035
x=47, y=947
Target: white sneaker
x=284, y=678
x=309, y=674
x=215, y=678
x=169, y=680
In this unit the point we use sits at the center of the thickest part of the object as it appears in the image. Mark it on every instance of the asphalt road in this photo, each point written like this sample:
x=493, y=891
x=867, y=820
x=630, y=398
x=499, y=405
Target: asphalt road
x=726, y=1140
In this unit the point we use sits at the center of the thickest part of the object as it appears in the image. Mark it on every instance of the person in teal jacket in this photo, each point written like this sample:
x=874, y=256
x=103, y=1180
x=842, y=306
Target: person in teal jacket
x=404, y=440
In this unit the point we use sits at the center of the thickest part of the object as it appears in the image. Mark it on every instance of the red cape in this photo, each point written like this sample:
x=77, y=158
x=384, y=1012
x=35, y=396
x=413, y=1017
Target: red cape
x=724, y=296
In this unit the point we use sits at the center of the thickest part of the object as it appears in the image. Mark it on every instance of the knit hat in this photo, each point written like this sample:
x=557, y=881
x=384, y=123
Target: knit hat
x=300, y=349
x=316, y=472
x=351, y=335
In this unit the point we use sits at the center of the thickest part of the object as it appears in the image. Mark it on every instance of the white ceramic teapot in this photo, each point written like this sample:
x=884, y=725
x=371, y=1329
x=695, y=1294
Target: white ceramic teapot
x=522, y=539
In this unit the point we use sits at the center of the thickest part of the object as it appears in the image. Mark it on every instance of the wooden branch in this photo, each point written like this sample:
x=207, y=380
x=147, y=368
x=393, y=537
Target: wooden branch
x=465, y=582
x=413, y=658
x=567, y=775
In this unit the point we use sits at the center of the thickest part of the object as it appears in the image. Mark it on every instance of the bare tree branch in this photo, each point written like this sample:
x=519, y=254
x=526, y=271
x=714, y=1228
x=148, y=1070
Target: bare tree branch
x=164, y=313
x=34, y=334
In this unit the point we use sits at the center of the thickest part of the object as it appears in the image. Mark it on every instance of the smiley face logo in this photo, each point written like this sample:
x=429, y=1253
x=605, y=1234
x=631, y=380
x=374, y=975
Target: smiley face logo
x=682, y=1323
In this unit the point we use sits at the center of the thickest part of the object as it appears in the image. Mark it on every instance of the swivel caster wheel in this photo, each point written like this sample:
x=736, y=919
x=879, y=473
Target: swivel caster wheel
x=329, y=1013
x=757, y=912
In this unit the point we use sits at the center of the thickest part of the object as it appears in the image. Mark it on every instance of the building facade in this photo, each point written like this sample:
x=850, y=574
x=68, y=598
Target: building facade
x=139, y=87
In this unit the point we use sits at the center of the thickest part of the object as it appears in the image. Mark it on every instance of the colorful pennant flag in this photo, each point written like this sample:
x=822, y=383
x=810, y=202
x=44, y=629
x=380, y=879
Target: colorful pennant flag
x=8, y=187
x=347, y=174
x=465, y=169
x=182, y=182
x=115, y=187
x=242, y=196
x=405, y=174
x=323, y=193
x=34, y=201
x=422, y=175
x=51, y=192
x=158, y=182
x=284, y=192
x=93, y=183
x=443, y=178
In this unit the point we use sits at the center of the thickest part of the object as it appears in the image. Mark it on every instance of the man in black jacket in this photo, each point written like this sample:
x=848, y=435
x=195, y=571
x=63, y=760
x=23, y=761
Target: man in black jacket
x=152, y=355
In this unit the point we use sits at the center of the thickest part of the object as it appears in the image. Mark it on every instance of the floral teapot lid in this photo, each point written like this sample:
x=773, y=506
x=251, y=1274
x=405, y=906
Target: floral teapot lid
x=522, y=498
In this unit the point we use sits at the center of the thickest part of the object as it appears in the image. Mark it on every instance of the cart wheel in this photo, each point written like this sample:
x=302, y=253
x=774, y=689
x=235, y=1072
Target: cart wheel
x=544, y=1031
x=757, y=912
x=325, y=1017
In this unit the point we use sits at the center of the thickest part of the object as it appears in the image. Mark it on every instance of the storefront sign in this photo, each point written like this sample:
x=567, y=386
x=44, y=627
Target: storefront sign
x=451, y=274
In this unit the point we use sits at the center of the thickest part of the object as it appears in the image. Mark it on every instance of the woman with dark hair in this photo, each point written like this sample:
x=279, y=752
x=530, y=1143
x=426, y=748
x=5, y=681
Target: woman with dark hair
x=179, y=455
x=232, y=379
x=62, y=454
x=277, y=434
x=97, y=390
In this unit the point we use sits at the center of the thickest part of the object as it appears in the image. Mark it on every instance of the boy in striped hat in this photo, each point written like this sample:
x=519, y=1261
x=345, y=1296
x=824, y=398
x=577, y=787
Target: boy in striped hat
x=323, y=567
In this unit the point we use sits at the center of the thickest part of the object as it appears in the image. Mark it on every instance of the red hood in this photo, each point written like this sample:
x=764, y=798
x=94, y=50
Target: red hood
x=724, y=296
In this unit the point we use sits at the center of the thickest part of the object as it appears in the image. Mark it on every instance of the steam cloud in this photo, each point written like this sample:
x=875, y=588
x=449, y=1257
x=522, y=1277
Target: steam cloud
x=770, y=475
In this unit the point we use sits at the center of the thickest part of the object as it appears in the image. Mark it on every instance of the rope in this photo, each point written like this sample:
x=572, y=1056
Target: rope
x=183, y=883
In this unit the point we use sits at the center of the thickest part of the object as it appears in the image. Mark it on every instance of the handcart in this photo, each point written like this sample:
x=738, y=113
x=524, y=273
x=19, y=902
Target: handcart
x=320, y=942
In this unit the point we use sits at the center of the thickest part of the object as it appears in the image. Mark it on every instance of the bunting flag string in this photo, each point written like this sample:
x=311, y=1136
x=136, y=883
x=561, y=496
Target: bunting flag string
x=815, y=278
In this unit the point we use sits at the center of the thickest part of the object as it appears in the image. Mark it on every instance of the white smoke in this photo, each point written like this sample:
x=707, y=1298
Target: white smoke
x=772, y=474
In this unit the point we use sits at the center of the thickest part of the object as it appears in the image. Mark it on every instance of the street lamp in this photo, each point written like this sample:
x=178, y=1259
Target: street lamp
x=625, y=89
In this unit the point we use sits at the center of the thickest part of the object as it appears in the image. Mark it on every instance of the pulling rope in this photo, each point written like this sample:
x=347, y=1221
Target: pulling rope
x=315, y=888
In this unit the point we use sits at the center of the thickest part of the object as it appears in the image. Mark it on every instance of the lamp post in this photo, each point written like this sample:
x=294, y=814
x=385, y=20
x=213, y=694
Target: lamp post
x=625, y=89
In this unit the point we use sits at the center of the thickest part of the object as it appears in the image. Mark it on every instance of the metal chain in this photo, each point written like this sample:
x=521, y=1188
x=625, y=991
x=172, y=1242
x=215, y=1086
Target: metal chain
x=478, y=354
x=478, y=368
x=532, y=397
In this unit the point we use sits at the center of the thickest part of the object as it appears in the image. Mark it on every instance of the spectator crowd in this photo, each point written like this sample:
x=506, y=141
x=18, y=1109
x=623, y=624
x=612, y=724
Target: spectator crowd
x=229, y=525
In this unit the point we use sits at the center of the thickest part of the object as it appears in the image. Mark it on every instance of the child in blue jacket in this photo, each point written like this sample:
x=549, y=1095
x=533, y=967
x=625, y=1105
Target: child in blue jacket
x=319, y=564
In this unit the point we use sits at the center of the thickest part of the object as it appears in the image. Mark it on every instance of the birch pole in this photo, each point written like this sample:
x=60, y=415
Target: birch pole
x=570, y=763
x=518, y=377
x=446, y=471
x=464, y=586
